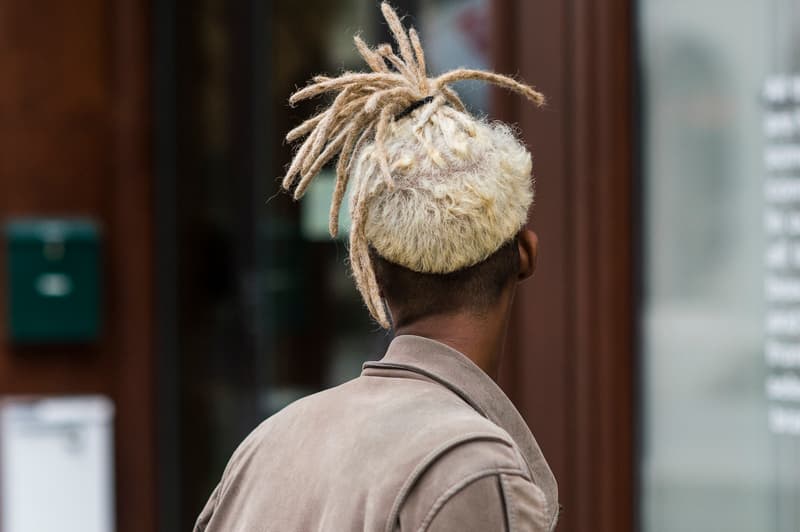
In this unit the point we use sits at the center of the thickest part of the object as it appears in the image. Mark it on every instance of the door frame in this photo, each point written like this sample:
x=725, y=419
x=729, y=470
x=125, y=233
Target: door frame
x=571, y=365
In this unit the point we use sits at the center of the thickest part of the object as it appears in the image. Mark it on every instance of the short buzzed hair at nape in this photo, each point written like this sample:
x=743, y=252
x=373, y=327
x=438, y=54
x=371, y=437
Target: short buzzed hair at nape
x=435, y=191
x=473, y=289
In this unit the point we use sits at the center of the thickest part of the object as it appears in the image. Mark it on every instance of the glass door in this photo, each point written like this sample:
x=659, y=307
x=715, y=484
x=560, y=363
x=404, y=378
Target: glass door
x=720, y=321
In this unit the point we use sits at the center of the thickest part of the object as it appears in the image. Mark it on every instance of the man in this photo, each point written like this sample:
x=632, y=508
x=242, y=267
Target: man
x=423, y=440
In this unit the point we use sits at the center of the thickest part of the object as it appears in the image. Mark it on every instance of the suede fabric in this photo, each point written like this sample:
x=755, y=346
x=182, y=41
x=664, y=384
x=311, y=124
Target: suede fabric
x=423, y=440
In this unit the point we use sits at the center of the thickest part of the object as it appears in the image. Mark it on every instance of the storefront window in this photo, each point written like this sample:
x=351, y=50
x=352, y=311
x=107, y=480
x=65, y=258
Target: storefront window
x=718, y=296
x=267, y=312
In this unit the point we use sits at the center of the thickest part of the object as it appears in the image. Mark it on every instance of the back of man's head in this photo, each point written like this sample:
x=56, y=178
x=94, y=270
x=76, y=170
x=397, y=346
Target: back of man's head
x=437, y=195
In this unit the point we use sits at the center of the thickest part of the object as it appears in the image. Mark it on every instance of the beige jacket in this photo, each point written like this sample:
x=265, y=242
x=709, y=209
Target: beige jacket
x=422, y=441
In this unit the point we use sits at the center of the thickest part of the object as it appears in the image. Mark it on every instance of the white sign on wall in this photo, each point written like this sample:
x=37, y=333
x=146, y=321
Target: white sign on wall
x=56, y=464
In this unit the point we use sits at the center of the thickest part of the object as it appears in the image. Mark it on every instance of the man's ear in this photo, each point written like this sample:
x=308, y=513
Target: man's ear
x=528, y=244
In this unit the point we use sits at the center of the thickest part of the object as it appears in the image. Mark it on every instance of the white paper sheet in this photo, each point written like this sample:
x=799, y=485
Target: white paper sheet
x=56, y=464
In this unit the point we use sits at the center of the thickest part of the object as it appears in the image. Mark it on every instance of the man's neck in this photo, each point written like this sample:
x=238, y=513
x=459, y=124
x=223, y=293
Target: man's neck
x=479, y=338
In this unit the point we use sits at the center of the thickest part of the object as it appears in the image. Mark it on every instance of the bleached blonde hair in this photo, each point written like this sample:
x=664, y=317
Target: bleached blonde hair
x=435, y=189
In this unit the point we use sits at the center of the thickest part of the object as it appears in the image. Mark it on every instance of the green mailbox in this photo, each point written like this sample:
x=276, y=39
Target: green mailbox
x=54, y=280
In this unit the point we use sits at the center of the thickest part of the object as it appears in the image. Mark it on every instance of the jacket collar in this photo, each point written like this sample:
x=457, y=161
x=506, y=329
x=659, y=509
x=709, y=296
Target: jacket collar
x=458, y=373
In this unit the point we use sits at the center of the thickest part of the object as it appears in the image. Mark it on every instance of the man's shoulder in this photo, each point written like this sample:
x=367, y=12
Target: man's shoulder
x=392, y=421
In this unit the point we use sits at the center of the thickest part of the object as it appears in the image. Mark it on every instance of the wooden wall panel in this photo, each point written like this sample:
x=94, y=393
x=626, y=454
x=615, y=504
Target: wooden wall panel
x=75, y=140
x=54, y=102
x=54, y=157
x=131, y=265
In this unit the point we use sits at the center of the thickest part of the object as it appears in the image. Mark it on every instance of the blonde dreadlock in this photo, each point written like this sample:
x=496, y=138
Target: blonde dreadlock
x=445, y=172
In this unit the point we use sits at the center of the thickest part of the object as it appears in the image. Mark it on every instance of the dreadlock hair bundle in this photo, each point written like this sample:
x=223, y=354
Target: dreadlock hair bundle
x=434, y=189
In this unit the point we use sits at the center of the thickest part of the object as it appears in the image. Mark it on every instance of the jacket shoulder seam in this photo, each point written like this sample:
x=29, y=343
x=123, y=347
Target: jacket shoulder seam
x=456, y=488
x=429, y=459
x=509, y=504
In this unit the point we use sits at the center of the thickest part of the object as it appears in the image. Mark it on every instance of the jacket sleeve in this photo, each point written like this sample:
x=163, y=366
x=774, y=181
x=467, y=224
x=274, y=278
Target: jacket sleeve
x=499, y=502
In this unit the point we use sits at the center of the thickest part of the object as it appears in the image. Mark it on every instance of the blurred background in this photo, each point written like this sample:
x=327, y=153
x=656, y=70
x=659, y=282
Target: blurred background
x=160, y=297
